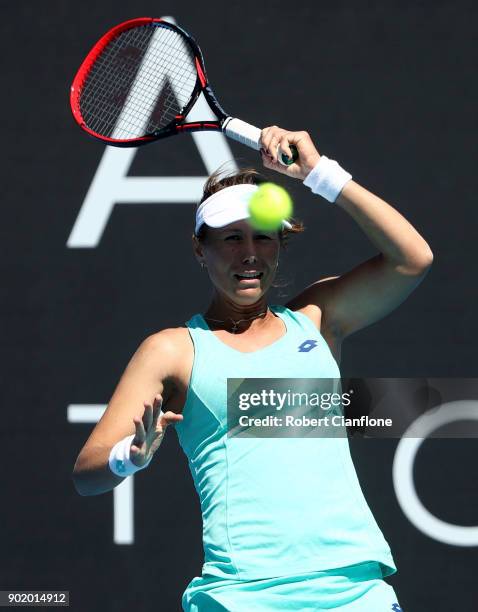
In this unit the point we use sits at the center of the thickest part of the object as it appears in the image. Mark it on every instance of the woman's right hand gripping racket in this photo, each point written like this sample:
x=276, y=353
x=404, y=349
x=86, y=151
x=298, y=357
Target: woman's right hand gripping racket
x=139, y=83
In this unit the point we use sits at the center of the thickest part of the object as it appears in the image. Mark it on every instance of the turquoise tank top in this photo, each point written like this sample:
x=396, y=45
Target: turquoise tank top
x=272, y=506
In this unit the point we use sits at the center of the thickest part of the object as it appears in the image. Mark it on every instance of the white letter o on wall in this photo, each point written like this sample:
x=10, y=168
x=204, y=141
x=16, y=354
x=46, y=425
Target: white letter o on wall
x=404, y=485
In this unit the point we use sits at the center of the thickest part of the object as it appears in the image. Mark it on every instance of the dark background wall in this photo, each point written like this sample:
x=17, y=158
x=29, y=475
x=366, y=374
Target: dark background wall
x=389, y=90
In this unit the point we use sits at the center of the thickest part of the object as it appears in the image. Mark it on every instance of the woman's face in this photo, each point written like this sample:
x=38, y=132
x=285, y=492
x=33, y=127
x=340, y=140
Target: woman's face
x=235, y=250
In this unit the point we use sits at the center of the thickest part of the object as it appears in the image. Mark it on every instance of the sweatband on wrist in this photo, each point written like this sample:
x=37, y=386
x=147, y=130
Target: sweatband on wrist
x=119, y=459
x=327, y=178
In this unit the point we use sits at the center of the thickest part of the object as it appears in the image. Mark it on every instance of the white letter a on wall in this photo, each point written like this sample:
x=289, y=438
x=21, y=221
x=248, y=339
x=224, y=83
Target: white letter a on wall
x=111, y=184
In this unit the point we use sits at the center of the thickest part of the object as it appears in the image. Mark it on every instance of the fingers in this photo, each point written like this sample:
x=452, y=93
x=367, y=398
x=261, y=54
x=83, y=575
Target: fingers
x=151, y=412
x=140, y=434
x=170, y=417
x=275, y=140
x=157, y=404
x=283, y=147
x=147, y=416
x=150, y=428
x=271, y=138
x=153, y=419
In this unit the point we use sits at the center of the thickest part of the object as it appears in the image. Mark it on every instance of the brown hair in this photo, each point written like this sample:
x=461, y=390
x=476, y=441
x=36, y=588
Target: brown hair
x=250, y=176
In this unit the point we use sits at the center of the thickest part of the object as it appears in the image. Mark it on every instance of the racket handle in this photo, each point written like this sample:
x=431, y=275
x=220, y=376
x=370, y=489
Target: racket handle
x=250, y=136
x=243, y=132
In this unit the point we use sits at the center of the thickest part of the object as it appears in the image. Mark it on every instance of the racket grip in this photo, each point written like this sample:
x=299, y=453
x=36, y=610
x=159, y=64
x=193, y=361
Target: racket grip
x=250, y=136
x=243, y=132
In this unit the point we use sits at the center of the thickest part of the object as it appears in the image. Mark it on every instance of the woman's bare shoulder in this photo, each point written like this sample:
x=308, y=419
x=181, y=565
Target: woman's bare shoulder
x=168, y=336
x=172, y=350
x=171, y=341
x=313, y=312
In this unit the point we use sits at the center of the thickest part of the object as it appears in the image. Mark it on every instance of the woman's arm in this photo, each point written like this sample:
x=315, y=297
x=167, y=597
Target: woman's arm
x=377, y=286
x=92, y=474
x=130, y=411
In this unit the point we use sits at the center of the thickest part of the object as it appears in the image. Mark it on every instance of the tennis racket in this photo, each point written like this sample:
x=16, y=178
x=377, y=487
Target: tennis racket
x=141, y=80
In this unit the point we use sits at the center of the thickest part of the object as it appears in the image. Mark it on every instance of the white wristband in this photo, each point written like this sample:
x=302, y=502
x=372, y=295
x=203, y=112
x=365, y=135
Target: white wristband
x=327, y=178
x=119, y=461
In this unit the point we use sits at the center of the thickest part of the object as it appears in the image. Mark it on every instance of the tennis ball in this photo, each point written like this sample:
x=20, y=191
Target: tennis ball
x=268, y=206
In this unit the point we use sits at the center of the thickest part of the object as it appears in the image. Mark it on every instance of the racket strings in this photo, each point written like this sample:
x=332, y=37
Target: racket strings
x=138, y=84
x=108, y=82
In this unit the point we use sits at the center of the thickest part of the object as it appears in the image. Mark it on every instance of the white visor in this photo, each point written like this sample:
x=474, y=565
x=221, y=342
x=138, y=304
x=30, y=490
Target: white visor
x=226, y=206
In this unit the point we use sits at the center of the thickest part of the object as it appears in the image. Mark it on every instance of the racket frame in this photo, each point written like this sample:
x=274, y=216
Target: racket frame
x=177, y=125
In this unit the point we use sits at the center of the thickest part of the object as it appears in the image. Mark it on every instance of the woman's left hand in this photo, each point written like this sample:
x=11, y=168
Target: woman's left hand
x=273, y=136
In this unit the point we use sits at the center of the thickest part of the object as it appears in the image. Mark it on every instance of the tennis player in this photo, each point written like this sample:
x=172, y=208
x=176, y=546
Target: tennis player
x=285, y=522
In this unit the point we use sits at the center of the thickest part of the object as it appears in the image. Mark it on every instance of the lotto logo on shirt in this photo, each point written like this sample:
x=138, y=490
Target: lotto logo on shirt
x=307, y=346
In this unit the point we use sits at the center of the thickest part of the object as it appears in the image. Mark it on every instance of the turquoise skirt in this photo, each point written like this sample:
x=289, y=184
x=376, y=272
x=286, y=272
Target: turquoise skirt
x=356, y=588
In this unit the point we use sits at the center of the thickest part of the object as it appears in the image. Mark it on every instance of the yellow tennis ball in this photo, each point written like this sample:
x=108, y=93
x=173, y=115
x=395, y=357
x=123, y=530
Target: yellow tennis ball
x=268, y=206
